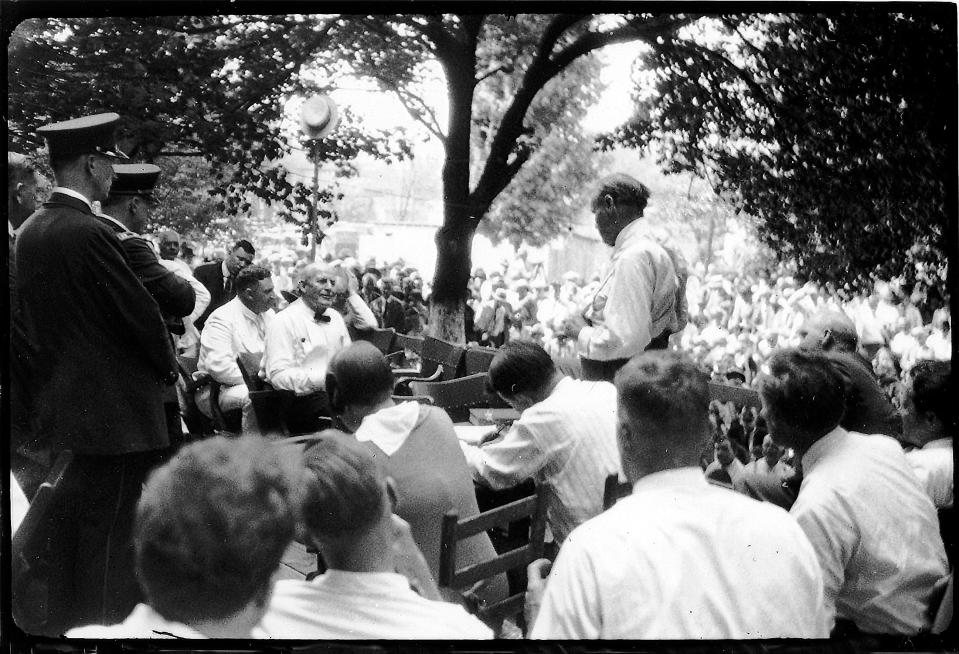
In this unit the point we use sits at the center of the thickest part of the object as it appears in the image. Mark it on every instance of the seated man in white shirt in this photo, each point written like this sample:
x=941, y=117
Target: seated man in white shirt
x=565, y=436
x=237, y=327
x=300, y=342
x=211, y=527
x=871, y=523
x=678, y=558
x=929, y=417
x=377, y=584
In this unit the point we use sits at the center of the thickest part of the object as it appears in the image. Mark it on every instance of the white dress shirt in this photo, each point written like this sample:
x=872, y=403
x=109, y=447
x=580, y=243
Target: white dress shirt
x=567, y=442
x=637, y=300
x=362, y=605
x=143, y=622
x=935, y=466
x=359, y=314
x=874, y=530
x=298, y=348
x=681, y=559
x=230, y=330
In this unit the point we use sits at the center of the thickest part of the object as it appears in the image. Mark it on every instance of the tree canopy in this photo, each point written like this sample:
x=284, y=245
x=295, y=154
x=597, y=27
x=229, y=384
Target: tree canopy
x=835, y=130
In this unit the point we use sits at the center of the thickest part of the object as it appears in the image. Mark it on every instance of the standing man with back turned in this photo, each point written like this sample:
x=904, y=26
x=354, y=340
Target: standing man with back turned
x=103, y=358
x=642, y=299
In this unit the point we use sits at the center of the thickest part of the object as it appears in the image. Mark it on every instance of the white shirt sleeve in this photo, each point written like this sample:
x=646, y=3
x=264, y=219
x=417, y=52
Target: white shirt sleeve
x=571, y=603
x=360, y=315
x=510, y=460
x=833, y=536
x=199, y=290
x=217, y=355
x=621, y=327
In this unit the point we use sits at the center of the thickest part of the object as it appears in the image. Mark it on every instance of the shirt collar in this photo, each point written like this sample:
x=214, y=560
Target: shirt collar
x=821, y=448
x=389, y=428
x=690, y=476
x=224, y=269
x=74, y=194
x=939, y=443
x=633, y=230
x=245, y=310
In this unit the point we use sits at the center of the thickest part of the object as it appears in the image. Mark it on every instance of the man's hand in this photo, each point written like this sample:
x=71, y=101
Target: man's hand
x=409, y=561
x=536, y=573
x=351, y=282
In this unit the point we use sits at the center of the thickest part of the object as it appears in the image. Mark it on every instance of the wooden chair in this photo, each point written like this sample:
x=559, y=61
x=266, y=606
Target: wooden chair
x=196, y=423
x=269, y=405
x=29, y=545
x=457, y=396
x=478, y=359
x=461, y=579
x=615, y=490
x=412, y=343
x=437, y=352
x=383, y=339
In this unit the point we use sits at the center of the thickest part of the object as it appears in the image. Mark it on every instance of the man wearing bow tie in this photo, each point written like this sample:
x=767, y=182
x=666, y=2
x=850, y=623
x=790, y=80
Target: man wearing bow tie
x=300, y=342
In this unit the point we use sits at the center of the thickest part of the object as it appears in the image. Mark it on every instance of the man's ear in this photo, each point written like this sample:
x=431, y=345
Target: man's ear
x=609, y=202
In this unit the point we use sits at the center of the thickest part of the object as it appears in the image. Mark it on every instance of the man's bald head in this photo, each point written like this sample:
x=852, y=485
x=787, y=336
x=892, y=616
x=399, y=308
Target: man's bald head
x=828, y=331
x=359, y=375
x=168, y=242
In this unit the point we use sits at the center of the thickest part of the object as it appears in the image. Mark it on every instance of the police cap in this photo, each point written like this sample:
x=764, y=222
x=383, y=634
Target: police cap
x=134, y=179
x=86, y=135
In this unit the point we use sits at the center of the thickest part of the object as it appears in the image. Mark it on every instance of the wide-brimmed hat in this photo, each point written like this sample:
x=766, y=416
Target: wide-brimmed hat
x=319, y=116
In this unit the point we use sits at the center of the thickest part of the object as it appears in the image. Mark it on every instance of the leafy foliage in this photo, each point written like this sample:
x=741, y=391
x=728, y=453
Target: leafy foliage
x=833, y=129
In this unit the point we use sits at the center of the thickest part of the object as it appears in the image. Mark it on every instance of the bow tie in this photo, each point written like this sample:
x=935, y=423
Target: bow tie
x=320, y=316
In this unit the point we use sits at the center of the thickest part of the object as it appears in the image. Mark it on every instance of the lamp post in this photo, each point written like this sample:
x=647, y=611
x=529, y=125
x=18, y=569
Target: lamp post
x=319, y=117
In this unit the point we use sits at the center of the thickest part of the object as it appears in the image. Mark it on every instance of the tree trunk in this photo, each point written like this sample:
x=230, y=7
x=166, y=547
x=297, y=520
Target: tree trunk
x=454, y=247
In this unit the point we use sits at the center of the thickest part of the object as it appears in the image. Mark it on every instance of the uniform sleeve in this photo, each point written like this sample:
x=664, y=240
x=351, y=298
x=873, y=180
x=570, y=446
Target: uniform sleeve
x=508, y=461
x=174, y=295
x=623, y=330
x=127, y=301
x=571, y=603
x=217, y=355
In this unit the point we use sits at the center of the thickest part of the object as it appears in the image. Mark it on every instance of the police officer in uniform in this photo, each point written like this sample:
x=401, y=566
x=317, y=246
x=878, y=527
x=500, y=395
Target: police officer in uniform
x=127, y=211
x=102, y=360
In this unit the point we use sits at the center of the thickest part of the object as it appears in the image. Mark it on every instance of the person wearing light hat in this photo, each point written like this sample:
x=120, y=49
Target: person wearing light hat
x=102, y=359
x=127, y=211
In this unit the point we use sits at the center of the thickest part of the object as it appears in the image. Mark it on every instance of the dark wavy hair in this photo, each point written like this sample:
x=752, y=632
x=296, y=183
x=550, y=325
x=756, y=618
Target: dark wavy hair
x=211, y=527
x=251, y=276
x=804, y=391
x=519, y=366
x=931, y=391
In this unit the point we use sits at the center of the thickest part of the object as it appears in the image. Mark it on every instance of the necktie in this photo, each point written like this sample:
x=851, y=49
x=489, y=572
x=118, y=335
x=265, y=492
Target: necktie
x=228, y=288
x=320, y=316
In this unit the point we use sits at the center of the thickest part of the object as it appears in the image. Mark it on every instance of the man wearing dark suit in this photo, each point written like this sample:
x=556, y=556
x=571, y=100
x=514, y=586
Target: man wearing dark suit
x=126, y=211
x=219, y=277
x=29, y=460
x=102, y=359
x=868, y=411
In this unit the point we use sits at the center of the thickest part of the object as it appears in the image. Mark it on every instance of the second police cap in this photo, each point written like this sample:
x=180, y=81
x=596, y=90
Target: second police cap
x=86, y=135
x=135, y=179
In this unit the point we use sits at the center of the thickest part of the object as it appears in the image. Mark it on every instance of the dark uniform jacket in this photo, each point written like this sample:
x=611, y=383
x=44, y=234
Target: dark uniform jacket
x=173, y=294
x=211, y=276
x=103, y=352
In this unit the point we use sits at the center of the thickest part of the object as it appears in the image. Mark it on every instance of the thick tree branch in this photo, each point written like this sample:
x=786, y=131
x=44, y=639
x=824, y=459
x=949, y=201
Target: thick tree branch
x=554, y=30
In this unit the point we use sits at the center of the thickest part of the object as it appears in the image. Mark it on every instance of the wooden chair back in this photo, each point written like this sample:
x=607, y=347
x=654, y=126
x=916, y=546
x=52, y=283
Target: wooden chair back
x=615, y=490
x=454, y=530
x=382, y=339
x=436, y=353
x=478, y=359
x=412, y=343
x=737, y=394
x=196, y=423
x=457, y=396
x=249, y=363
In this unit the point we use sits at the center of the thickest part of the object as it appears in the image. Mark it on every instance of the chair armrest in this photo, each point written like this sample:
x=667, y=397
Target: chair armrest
x=402, y=385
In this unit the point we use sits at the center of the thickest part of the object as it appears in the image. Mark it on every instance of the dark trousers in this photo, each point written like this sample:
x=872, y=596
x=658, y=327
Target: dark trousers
x=83, y=571
x=594, y=370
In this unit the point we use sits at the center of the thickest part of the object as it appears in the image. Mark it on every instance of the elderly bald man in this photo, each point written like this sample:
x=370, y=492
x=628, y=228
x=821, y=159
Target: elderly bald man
x=867, y=409
x=301, y=340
